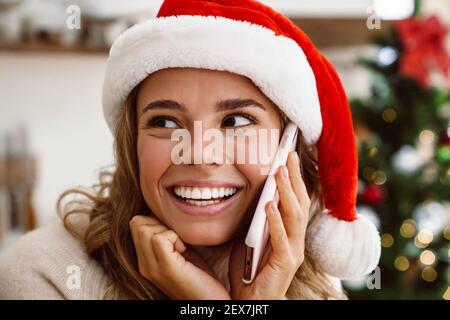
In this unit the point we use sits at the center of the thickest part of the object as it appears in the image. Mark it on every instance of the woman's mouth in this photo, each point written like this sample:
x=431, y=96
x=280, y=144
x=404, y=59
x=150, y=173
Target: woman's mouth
x=203, y=196
x=203, y=201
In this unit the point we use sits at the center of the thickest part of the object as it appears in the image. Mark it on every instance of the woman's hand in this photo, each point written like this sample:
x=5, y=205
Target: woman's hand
x=165, y=261
x=285, y=252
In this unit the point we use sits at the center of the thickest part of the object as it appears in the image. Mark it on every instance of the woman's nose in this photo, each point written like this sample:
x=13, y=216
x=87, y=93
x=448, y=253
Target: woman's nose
x=207, y=145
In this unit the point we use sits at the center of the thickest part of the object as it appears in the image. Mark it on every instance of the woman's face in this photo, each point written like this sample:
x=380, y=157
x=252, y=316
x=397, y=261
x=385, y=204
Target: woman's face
x=206, y=202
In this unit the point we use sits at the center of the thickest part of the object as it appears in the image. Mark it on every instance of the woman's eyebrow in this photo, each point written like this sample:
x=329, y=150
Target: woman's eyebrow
x=164, y=104
x=231, y=104
x=223, y=105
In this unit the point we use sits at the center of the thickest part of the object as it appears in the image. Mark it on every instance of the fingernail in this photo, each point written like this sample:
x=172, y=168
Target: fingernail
x=181, y=246
x=285, y=172
x=273, y=207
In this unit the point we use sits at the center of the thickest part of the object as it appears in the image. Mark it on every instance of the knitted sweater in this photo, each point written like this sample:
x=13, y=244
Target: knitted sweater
x=46, y=264
x=51, y=263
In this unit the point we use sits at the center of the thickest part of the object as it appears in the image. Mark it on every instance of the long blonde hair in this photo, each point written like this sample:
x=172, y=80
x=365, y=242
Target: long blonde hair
x=116, y=198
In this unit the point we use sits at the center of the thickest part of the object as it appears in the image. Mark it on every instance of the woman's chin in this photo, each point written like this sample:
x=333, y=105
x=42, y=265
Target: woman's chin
x=205, y=238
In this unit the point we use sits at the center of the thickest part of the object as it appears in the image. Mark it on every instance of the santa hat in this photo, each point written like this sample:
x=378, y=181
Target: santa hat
x=252, y=40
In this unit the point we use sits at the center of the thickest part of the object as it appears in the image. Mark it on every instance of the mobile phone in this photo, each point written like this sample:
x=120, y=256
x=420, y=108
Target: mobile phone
x=258, y=233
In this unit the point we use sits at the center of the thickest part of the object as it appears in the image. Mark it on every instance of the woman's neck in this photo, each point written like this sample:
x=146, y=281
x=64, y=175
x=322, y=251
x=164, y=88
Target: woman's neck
x=217, y=258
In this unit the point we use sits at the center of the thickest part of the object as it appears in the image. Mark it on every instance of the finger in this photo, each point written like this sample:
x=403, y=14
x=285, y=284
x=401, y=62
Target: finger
x=265, y=257
x=278, y=237
x=141, y=219
x=180, y=246
x=297, y=183
x=142, y=233
x=164, y=246
x=142, y=230
x=144, y=248
x=289, y=202
x=298, y=241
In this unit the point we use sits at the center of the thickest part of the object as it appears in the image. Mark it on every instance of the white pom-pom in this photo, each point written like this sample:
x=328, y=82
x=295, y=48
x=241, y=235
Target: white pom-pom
x=346, y=250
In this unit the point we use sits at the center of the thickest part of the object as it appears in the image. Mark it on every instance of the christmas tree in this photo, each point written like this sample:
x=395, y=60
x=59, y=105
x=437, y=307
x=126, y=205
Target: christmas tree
x=403, y=136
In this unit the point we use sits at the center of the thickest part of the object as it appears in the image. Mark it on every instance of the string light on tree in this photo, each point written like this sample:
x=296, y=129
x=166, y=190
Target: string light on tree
x=389, y=115
x=408, y=228
x=429, y=274
x=424, y=238
x=387, y=240
x=401, y=263
x=427, y=257
x=380, y=178
x=446, y=232
x=427, y=137
x=446, y=295
x=426, y=145
x=372, y=151
x=368, y=173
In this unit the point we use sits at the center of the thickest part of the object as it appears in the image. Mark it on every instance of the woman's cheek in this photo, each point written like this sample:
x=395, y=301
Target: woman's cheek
x=256, y=173
x=259, y=152
x=154, y=159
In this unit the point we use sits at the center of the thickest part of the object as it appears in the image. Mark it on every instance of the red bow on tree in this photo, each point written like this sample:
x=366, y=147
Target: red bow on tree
x=423, y=44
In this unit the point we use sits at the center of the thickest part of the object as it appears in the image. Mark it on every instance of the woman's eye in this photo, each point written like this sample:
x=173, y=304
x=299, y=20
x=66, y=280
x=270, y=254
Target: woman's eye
x=237, y=121
x=162, y=123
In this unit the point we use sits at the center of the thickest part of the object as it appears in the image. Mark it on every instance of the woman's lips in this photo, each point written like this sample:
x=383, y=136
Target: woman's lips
x=205, y=210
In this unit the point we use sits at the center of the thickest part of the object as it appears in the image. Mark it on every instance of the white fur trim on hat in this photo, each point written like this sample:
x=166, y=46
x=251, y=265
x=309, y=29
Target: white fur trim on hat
x=275, y=63
x=346, y=250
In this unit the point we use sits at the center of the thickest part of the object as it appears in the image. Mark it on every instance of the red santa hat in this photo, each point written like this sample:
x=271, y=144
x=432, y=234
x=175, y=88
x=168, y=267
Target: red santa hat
x=250, y=39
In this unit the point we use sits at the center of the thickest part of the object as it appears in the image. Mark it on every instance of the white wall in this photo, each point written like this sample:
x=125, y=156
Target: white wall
x=58, y=98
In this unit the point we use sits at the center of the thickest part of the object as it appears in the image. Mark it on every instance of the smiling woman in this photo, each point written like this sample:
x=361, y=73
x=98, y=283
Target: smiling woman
x=157, y=229
x=198, y=91
x=147, y=183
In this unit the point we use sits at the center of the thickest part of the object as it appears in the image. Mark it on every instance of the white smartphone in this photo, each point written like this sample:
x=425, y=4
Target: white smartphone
x=258, y=233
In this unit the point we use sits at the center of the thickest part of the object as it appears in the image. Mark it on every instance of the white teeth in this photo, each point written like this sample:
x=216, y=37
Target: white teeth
x=194, y=193
x=202, y=203
x=206, y=193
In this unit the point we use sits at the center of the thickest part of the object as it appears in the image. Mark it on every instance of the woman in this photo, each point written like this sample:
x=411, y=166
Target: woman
x=159, y=229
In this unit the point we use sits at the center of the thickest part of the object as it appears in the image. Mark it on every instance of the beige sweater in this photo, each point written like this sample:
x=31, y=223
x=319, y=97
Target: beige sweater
x=50, y=263
x=44, y=264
